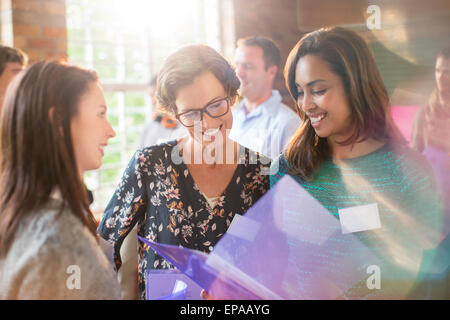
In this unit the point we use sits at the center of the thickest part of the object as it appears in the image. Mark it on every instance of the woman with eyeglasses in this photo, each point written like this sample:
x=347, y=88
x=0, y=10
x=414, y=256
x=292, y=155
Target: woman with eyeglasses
x=187, y=192
x=349, y=154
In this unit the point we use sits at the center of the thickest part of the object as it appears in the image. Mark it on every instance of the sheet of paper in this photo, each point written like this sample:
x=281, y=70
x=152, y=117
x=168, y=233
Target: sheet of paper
x=359, y=218
x=297, y=249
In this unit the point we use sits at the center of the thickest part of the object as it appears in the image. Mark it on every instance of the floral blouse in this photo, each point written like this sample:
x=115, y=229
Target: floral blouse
x=160, y=195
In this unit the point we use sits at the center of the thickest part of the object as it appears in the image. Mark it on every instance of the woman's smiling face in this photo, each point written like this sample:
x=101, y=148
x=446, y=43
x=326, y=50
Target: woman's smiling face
x=90, y=129
x=322, y=97
x=204, y=90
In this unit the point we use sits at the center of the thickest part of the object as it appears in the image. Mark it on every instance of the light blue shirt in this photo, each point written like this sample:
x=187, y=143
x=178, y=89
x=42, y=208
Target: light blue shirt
x=267, y=129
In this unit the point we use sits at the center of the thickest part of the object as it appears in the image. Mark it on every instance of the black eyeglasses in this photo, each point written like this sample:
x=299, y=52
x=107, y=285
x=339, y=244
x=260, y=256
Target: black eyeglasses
x=215, y=109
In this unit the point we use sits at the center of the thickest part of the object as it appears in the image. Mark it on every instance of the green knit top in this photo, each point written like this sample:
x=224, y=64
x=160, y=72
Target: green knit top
x=400, y=181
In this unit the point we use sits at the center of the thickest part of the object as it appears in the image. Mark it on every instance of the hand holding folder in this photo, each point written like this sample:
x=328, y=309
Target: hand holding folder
x=287, y=246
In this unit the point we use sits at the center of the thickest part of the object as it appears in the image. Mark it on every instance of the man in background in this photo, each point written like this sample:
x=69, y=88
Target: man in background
x=261, y=122
x=12, y=61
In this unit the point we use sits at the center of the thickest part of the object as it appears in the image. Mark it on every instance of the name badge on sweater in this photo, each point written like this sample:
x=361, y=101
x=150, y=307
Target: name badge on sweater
x=359, y=218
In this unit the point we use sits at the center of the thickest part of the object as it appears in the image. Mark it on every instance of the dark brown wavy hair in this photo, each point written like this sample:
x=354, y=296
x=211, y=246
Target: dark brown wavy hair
x=350, y=58
x=37, y=155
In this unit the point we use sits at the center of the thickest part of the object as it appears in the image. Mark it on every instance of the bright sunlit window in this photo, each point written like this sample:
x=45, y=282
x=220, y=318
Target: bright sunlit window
x=126, y=41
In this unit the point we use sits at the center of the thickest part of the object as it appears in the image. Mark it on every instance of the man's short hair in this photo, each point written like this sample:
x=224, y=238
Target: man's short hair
x=271, y=53
x=8, y=54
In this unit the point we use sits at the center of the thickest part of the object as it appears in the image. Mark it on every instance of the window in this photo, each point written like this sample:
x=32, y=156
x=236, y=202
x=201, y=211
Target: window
x=126, y=42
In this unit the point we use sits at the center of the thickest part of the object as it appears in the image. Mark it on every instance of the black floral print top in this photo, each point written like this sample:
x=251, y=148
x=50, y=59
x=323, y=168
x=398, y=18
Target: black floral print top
x=159, y=194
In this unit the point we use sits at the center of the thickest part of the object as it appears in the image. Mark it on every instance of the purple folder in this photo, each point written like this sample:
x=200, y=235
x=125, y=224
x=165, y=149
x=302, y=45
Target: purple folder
x=170, y=284
x=193, y=264
x=287, y=246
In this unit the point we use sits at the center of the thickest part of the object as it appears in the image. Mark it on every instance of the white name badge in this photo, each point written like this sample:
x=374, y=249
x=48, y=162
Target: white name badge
x=359, y=218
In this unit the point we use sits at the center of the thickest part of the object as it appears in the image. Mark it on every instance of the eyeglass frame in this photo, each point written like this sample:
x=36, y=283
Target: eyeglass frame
x=203, y=110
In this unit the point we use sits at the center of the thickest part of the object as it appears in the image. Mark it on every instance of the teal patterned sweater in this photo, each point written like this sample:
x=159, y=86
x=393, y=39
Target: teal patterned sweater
x=402, y=184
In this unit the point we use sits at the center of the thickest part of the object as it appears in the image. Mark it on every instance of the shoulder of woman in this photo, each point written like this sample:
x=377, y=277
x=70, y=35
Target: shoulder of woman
x=62, y=232
x=156, y=151
x=51, y=248
x=145, y=158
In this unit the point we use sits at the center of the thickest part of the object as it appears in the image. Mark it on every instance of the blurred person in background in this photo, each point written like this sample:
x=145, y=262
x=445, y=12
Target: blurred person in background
x=261, y=122
x=432, y=120
x=12, y=61
x=432, y=129
x=430, y=136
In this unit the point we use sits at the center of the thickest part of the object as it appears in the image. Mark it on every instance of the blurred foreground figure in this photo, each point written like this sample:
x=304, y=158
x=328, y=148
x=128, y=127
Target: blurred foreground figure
x=432, y=129
x=430, y=136
x=53, y=129
x=432, y=121
x=261, y=122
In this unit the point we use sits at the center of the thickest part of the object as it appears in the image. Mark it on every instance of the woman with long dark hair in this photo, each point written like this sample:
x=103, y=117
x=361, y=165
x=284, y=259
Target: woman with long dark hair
x=53, y=129
x=348, y=153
